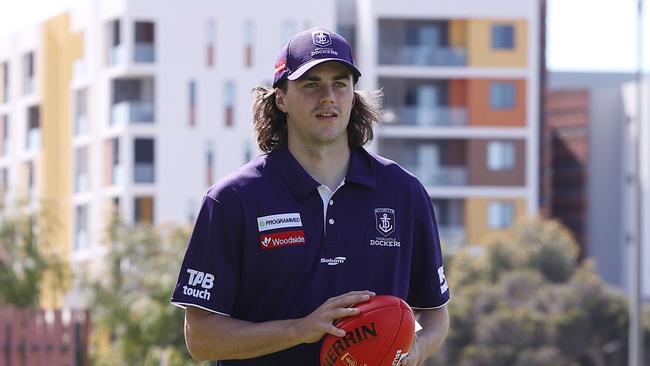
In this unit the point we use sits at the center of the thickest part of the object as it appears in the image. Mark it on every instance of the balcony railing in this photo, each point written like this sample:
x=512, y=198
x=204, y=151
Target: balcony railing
x=143, y=173
x=423, y=55
x=79, y=69
x=116, y=174
x=453, y=237
x=144, y=52
x=80, y=125
x=33, y=139
x=427, y=116
x=30, y=85
x=132, y=112
x=117, y=55
x=81, y=183
x=439, y=175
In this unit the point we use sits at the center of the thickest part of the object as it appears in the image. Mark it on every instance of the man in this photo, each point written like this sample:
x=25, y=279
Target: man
x=284, y=246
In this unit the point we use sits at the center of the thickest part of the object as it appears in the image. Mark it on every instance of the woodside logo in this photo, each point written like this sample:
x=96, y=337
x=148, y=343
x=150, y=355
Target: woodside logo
x=283, y=239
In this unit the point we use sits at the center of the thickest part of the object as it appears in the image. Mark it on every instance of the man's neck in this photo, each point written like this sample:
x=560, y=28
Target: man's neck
x=328, y=165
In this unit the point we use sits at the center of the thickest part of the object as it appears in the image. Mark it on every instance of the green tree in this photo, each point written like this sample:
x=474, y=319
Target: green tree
x=524, y=299
x=131, y=300
x=26, y=258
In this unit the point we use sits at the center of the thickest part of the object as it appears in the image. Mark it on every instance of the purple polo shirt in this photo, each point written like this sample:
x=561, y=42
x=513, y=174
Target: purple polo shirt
x=261, y=249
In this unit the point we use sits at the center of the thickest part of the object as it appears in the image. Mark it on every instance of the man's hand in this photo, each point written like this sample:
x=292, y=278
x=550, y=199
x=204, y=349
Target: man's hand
x=313, y=327
x=415, y=356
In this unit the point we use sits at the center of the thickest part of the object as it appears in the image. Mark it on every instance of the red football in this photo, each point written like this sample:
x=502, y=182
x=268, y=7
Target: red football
x=380, y=335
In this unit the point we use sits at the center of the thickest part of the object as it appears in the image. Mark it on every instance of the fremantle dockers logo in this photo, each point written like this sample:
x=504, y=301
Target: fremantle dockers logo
x=385, y=219
x=321, y=38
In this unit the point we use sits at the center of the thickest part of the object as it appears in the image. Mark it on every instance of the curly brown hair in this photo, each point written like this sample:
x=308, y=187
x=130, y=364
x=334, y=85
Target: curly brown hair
x=270, y=123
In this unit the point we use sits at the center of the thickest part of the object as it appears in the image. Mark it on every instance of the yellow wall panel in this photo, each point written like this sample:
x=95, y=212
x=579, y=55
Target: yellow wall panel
x=476, y=218
x=481, y=54
x=458, y=33
x=59, y=49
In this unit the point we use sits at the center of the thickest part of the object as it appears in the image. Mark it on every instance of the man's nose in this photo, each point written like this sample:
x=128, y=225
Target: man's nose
x=327, y=95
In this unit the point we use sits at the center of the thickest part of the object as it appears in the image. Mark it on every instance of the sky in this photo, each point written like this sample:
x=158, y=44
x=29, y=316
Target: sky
x=583, y=35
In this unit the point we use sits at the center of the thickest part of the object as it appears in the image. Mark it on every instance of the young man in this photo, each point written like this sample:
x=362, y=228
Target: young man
x=284, y=246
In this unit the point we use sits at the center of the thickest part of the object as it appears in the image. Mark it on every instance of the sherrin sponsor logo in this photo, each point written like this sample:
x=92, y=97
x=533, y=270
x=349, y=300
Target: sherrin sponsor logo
x=282, y=239
x=279, y=221
x=204, y=279
x=399, y=356
x=338, y=350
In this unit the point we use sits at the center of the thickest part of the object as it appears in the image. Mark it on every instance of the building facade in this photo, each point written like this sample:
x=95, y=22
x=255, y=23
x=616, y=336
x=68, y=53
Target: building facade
x=133, y=108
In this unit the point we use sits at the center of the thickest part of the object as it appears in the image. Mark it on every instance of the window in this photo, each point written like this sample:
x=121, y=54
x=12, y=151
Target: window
x=33, y=138
x=81, y=169
x=502, y=95
x=4, y=135
x=80, y=113
x=211, y=42
x=143, y=160
x=4, y=183
x=112, y=167
x=249, y=35
x=4, y=82
x=81, y=227
x=503, y=37
x=209, y=164
x=192, y=103
x=28, y=72
x=500, y=155
x=229, y=100
x=143, y=210
x=133, y=100
x=30, y=178
x=116, y=51
x=500, y=214
x=144, y=42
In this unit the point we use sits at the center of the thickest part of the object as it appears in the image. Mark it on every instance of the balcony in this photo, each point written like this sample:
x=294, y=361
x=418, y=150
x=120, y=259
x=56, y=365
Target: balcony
x=423, y=55
x=117, y=55
x=132, y=112
x=453, y=237
x=143, y=173
x=439, y=175
x=144, y=52
x=427, y=116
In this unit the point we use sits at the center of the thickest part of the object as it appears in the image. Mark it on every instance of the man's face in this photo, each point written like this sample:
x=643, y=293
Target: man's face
x=318, y=105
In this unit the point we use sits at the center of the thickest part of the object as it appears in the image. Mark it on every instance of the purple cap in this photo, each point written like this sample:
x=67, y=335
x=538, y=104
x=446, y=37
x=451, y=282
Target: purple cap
x=310, y=48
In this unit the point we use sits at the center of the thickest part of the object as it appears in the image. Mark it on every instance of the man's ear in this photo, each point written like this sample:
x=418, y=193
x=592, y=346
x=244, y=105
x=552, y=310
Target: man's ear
x=279, y=100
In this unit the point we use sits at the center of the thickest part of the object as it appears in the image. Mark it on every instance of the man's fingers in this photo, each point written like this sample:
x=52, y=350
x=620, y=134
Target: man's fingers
x=336, y=331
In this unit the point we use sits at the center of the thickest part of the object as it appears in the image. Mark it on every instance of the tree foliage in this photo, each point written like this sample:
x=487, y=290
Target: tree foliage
x=130, y=303
x=26, y=258
x=524, y=299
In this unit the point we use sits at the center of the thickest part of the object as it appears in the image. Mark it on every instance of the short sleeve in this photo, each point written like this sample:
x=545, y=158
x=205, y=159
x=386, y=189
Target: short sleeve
x=428, y=285
x=209, y=275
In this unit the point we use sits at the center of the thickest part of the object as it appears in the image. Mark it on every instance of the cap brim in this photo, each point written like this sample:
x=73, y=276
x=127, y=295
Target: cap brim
x=307, y=66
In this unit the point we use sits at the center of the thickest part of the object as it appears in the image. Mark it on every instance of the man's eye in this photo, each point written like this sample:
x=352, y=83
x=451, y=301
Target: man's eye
x=340, y=84
x=311, y=85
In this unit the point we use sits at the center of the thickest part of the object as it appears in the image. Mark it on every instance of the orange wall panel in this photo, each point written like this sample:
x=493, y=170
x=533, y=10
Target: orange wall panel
x=482, y=114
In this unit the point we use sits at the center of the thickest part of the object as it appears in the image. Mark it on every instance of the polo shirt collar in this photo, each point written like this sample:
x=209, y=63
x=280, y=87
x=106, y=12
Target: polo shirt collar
x=360, y=171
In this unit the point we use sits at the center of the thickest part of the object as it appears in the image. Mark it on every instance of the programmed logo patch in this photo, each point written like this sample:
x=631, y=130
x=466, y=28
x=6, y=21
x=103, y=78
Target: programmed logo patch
x=279, y=221
x=282, y=239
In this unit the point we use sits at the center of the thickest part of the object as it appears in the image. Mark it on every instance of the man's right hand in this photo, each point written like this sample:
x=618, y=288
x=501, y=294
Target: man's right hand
x=314, y=326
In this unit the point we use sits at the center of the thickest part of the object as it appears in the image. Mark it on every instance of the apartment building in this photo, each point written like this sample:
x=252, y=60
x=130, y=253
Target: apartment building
x=134, y=108
x=461, y=84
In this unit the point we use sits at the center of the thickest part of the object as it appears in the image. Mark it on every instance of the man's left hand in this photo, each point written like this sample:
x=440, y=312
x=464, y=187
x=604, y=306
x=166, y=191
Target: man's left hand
x=415, y=356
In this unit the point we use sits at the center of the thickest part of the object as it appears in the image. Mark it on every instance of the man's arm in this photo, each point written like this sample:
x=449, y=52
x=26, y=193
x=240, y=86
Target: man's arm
x=435, y=324
x=211, y=336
